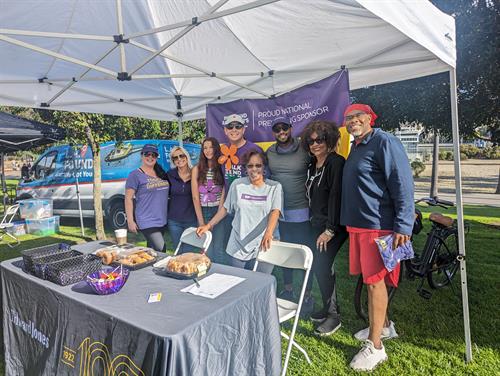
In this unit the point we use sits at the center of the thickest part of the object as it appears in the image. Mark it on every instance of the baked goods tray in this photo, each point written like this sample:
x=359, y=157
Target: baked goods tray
x=160, y=269
x=127, y=250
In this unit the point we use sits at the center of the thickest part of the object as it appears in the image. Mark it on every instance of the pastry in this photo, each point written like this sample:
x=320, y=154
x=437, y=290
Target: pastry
x=188, y=263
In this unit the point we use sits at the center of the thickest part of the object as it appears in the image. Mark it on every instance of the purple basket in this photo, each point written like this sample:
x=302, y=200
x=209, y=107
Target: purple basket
x=106, y=287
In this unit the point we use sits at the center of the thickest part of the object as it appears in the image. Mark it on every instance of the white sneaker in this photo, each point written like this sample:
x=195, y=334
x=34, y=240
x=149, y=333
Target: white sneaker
x=368, y=358
x=387, y=333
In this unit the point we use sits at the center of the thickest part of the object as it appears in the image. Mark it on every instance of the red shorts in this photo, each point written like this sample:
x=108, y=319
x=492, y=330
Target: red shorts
x=365, y=259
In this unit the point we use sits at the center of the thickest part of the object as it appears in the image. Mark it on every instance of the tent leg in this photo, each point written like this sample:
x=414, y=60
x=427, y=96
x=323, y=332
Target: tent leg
x=460, y=214
x=179, y=120
x=4, y=185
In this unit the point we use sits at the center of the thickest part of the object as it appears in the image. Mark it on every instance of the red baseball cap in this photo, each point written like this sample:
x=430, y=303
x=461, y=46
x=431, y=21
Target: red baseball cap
x=363, y=108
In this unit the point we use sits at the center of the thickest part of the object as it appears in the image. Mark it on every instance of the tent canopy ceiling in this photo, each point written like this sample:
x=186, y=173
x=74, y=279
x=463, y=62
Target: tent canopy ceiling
x=68, y=55
x=22, y=134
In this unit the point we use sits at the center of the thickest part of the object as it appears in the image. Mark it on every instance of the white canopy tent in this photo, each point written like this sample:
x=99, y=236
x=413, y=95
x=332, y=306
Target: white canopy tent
x=167, y=59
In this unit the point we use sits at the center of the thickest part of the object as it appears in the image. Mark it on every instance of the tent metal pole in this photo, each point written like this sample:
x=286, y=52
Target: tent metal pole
x=179, y=115
x=119, y=17
x=46, y=34
x=460, y=215
x=4, y=186
x=206, y=17
x=175, y=38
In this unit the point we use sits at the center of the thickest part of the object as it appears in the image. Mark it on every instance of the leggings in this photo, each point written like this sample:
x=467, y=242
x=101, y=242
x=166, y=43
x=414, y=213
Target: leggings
x=154, y=237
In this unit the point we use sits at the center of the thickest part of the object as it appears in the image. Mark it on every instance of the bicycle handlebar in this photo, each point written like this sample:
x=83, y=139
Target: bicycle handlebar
x=435, y=201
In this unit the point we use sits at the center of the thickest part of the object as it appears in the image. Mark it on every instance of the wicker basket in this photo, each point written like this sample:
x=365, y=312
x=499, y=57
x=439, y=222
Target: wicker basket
x=74, y=269
x=30, y=256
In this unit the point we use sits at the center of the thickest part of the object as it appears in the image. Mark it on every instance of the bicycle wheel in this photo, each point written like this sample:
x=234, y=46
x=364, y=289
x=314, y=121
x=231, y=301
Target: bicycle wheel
x=444, y=263
x=361, y=297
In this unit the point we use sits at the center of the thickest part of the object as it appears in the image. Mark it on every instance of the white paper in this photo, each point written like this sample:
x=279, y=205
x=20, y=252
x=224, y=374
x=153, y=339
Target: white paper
x=213, y=285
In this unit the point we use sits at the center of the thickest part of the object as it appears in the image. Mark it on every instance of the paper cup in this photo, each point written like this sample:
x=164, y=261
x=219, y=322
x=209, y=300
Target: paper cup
x=121, y=236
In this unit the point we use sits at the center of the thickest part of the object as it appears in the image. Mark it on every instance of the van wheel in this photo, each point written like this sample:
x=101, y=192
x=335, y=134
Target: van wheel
x=117, y=216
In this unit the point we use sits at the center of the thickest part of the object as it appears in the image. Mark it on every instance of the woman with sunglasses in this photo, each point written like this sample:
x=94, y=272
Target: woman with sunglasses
x=256, y=204
x=149, y=186
x=181, y=214
x=323, y=191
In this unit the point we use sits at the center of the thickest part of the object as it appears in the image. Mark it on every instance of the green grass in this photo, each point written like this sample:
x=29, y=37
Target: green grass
x=431, y=331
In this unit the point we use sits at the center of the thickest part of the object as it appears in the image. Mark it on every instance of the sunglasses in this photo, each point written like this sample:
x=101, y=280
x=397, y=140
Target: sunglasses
x=232, y=126
x=355, y=116
x=150, y=154
x=277, y=128
x=180, y=156
x=257, y=165
x=317, y=140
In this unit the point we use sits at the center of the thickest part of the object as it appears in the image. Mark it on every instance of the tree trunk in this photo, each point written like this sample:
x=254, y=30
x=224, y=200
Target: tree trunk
x=435, y=166
x=498, y=184
x=96, y=156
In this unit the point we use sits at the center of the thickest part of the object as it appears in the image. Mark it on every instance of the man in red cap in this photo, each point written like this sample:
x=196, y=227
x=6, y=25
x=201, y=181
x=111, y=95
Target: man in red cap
x=377, y=184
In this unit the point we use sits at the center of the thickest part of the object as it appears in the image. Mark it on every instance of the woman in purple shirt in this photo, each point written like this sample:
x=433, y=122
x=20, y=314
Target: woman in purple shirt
x=181, y=214
x=149, y=185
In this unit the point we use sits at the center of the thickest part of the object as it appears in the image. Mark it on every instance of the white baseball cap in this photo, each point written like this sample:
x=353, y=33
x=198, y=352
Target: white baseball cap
x=233, y=118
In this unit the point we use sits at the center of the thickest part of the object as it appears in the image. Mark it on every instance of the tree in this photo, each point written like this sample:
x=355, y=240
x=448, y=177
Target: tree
x=427, y=99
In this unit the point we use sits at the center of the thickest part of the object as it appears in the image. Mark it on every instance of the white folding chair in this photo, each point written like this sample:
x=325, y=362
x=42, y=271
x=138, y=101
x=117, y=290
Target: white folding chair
x=9, y=215
x=293, y=256
x=189, y=237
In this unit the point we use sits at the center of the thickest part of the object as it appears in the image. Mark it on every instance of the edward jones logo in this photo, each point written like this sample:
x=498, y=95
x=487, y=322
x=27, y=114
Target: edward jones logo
x=29, y=328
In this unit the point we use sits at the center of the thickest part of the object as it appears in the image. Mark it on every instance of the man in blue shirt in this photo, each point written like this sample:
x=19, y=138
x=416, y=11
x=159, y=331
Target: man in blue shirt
x=378, y=187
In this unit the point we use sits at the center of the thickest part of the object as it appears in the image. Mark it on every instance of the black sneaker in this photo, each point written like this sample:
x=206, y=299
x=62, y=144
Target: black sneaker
x=319, y=316
x=329, y=326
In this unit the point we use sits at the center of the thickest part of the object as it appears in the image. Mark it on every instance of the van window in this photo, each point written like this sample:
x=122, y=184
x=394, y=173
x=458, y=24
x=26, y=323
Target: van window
x=45, y=166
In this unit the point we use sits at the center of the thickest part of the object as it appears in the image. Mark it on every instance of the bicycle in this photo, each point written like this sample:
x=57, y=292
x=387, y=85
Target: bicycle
x=438, y=263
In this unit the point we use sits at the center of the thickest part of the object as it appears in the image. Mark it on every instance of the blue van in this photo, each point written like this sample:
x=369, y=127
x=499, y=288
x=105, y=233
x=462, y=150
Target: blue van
x=53, y=176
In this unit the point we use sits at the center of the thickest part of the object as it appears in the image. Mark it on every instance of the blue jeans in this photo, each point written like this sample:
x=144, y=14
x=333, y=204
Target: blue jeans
x=217, y=251
x=176, y=228
x=298, y=233
x=263, y=267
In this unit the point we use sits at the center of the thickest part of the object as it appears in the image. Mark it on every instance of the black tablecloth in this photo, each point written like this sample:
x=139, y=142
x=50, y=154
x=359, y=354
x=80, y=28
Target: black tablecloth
x=56, y=330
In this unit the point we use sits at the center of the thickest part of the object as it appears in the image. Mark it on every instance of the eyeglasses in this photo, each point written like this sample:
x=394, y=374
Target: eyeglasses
x=354, y=116
x=180, y=156
x=277, y=128
x=317, y=140
x=257, y=165
x=150, y=154
x=232, y=126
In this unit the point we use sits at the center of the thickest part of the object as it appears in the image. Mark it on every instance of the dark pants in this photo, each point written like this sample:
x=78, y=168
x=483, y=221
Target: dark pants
x=298, y=233
x=217, y=250
x=263, y=267
x=154, y=238
x=323, y=269
x=176, y=228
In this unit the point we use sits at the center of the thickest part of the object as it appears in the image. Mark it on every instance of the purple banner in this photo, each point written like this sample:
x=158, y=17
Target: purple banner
x=321, y=100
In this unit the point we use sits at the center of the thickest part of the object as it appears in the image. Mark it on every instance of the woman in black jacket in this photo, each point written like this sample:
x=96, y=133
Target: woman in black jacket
x=323, y=190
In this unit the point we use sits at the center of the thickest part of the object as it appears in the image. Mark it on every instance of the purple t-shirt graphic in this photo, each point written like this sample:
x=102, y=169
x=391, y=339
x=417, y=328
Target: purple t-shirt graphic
x=151, y=198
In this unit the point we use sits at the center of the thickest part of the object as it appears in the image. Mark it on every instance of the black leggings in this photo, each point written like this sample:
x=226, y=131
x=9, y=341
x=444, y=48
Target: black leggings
x=325, y=274
x=154, y=237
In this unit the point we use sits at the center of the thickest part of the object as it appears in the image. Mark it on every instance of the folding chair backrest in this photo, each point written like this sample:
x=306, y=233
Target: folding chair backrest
x=11, y=211
x=288, y=255
x=189, y=237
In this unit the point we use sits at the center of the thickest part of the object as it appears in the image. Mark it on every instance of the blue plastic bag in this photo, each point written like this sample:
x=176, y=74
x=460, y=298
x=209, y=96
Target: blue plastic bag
x=391, y=257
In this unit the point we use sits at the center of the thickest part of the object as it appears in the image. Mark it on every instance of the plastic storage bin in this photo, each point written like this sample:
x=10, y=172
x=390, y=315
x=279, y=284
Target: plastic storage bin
x=35, y=208
x=43, y=227
x=17, y=228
